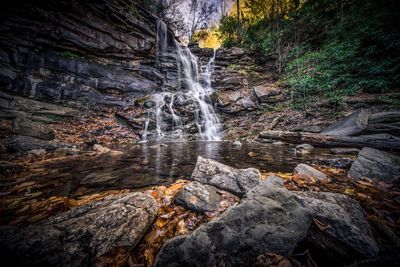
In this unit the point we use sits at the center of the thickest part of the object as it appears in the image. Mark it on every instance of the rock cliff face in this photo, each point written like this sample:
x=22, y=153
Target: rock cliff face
x=83, y=52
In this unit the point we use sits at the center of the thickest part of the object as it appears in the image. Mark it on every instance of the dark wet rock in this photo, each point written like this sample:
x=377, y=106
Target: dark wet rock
x=266, y=93
x=375, y=164
x=26, y=143
x=311, y=129
x=345, y=151
x=385, y=117
x=384, y=122
x=31, y=128
x=91, y=59
x=237, y=181
x=149, y=104
x=341, y=163
x=79, y=236
x=270, y=219
x=17, y=107
x=198, y=197
x=344, y=233
x=307, y=172
x=349, y=125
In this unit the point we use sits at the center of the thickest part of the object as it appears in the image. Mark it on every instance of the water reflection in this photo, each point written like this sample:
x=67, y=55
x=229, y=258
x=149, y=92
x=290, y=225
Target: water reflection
x=146, y=164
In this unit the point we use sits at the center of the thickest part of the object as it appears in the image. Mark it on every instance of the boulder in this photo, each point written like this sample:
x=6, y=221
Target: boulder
x=100, y=148
x=22, y=143
x=304, y=148
x=198, y=197
x=341, y=163
x=343, y=232
x=37, y=152
x=245, y=103
x=228, y=97
x=266, y=93
x=349, y=125
x=236, y=181
x=31, y=128
x=270, y=219
x=237, y=143
x=79, y=236
x=344, y=151
x=376, y=164
x=309, y=173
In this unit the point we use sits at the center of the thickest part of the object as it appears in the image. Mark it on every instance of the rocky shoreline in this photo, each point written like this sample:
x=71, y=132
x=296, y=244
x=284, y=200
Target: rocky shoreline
x=267, y=222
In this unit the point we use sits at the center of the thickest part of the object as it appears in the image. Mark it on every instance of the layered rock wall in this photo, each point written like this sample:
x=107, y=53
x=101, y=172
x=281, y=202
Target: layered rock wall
x=86, y=52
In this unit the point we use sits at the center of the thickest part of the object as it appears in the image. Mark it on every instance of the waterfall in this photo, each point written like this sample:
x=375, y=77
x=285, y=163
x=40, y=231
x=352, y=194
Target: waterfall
x=174, y=114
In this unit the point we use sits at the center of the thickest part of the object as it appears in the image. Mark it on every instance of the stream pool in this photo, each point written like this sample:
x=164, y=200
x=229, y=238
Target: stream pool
x=144, y=165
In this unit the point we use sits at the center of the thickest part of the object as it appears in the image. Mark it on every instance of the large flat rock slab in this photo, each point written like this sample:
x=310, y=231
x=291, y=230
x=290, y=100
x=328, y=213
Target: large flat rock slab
x=346, y=233
x=349, y=125
x=79, y=236
x=270, y=219
x=375, y=164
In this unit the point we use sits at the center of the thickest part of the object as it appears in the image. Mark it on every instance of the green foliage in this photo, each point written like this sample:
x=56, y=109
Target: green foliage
x=228, y=31
x=329, y=49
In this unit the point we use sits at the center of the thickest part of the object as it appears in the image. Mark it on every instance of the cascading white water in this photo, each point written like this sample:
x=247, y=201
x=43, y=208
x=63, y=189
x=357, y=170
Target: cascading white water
x=196, y=90
x=200, y=90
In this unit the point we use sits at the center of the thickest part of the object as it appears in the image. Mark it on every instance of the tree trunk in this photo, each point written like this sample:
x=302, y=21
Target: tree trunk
x=238, y=18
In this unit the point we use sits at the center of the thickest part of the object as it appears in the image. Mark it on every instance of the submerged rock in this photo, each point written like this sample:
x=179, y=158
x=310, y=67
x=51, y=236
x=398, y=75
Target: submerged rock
x=100, y=148
x=304, y=148
x=79, y=236
x=198, y=197
x=376, y=164
x=350, y=125
x=307, y=172
x=345, y=151
x=344, y=233
x=236, y=181
x=341, y=163
x=270, y=219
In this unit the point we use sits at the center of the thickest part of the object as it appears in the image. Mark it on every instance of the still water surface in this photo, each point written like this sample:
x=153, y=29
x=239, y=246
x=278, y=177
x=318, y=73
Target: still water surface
x=146, y=165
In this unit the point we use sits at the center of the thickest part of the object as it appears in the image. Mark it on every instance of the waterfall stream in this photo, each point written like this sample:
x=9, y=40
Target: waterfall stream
x=177, y=114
